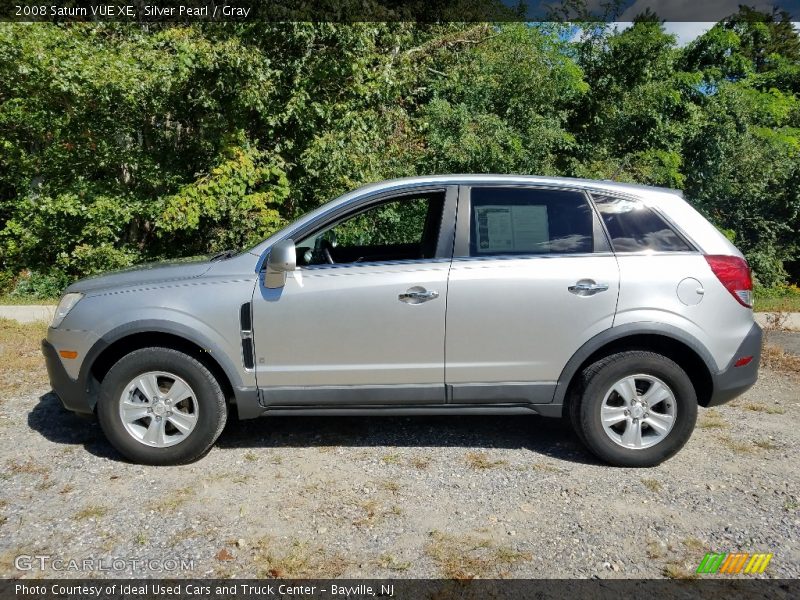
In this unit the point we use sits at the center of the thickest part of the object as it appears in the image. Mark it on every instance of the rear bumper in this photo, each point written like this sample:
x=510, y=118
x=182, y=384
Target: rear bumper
x=735, y=381
x=74, y=394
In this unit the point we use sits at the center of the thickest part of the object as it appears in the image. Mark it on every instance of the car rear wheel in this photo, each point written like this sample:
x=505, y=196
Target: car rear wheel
x=634, y=409
x=159, y=406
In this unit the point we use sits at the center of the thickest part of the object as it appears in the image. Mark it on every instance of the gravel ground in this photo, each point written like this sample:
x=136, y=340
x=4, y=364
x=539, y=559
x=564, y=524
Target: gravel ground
x=405, y=497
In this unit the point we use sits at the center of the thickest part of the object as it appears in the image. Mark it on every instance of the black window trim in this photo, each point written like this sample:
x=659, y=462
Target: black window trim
x=693, y=247
x=461, y=251
x=444, y=245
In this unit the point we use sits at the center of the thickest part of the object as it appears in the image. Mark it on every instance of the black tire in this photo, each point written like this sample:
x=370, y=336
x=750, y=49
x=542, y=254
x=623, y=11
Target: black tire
x=595, y=381
x=212, y=412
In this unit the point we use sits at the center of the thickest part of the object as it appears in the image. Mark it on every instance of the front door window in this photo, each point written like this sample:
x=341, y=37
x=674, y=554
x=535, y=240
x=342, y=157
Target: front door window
x=400, y=229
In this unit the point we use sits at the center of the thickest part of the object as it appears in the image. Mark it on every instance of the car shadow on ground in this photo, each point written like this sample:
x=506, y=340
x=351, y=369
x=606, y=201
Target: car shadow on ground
x=547, y=437
x=58, y=425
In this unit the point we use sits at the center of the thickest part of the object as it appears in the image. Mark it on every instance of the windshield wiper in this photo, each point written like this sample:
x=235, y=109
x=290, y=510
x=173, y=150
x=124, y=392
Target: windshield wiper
x=222, y=255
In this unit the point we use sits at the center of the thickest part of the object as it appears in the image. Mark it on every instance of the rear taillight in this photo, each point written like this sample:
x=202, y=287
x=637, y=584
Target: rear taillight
x=734, y=274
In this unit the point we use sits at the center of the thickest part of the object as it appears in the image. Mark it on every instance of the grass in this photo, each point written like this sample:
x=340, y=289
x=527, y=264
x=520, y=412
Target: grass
x=469, y=557
x=21, y=357
x=390, y=485
x=393, y=458
x=370, y=508
x=777, y=359
x=711, y=419
x=91, y=512
x=770, y=410
x=765, y=444
x=652, y=484
x=373, y=512
x=300, y=560
x=391, y=563
x=738, y=446
x=546, y=468
x=784, y=304
x=173, y=501
x=678, y=570
x=481, y=461
x=654, y=550
x=420, y=462
x=250, y=456
x=28, y=467
x=6, y=300
x=684, y=566
x=694, y=544
x=45, y=484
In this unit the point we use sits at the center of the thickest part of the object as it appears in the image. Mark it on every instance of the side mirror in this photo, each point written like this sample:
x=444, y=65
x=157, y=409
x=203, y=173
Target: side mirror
x=282, y=259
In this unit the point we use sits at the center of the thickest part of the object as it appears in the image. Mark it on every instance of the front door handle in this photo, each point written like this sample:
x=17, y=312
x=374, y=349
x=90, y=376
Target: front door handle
x=417, y=295
x=587, y=287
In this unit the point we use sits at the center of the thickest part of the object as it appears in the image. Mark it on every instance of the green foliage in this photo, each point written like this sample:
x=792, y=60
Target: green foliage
x=502, y=105
x=390, y=223
x=41, y=286
x=237, y=203
x=746, y=174
x=122, y=143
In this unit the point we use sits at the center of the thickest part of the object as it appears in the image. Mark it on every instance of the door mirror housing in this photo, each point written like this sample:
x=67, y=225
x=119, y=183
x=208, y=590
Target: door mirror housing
x=281, y=260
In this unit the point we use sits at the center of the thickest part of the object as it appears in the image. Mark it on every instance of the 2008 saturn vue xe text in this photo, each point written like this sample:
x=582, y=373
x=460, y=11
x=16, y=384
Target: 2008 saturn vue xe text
x=619, y=306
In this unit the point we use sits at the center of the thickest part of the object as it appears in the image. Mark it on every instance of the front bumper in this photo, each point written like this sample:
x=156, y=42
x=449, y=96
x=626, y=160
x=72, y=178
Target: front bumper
x=735, y=381
x=74, y=394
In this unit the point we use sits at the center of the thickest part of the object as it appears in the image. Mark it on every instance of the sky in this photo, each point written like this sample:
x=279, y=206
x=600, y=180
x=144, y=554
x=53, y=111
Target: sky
x=687, y=31
x=685, y=18
x=694, y=10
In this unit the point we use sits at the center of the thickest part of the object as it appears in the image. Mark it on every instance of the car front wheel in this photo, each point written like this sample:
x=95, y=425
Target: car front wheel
x=159, y=406
x=634, y=409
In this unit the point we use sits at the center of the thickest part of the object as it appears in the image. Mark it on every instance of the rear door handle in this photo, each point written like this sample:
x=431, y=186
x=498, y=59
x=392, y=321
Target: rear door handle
x=587, y=287
x=417, y=295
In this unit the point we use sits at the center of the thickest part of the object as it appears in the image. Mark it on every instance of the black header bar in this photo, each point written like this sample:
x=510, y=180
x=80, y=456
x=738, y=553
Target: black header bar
x=344, y=11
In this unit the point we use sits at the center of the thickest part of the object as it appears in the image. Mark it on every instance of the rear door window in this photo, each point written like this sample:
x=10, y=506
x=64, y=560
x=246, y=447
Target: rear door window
x=633, y=227
x=508, y=220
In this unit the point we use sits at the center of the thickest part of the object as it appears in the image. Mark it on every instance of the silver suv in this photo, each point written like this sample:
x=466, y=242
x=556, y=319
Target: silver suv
x=618, y=306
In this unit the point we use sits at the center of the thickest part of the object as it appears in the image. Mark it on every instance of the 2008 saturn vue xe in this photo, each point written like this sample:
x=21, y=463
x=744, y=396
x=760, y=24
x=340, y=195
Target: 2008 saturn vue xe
x=618, y=306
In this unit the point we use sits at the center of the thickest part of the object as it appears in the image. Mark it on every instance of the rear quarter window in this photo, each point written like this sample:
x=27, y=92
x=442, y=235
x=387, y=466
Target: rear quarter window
x=633, y=227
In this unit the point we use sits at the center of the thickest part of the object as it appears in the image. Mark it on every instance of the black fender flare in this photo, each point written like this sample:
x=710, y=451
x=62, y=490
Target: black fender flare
x=623, y=331
x=166, y=327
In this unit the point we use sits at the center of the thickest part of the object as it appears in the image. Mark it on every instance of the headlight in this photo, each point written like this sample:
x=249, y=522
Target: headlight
x=68, y=301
